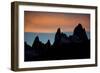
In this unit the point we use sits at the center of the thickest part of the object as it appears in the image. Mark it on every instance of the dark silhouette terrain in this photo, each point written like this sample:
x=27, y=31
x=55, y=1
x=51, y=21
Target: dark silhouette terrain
x=76, y=46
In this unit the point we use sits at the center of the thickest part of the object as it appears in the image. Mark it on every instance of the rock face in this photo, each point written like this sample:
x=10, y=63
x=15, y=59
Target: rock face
x=76, y=46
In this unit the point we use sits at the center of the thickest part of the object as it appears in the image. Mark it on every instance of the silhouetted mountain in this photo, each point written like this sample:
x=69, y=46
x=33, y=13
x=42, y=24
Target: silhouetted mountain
x=80, y=33
x=27, y=46
x=76, y=46
x=38, y=46
x=36, y=42
x=48, y=44
x=29, y=52
x=57, y=37
x=60, y=38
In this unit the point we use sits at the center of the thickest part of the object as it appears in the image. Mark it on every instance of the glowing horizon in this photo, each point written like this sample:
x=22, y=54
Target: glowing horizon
x=49, y=22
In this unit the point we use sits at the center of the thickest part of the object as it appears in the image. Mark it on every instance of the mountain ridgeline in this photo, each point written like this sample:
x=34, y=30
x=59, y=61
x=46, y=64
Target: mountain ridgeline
x=75, y=46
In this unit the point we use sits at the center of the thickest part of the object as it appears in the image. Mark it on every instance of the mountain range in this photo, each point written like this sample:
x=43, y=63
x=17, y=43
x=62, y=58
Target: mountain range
x=75, y=46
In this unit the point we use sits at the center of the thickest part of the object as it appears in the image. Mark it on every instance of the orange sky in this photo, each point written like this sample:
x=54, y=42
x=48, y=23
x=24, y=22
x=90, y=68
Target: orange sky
x=49, y=22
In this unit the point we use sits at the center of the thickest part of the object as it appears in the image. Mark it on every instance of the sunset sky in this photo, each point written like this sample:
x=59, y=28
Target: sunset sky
x=47, y=22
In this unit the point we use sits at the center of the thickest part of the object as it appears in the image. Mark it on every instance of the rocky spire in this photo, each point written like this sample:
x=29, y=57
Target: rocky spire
x=36, y=42
x=58, y=31
x=57, y=36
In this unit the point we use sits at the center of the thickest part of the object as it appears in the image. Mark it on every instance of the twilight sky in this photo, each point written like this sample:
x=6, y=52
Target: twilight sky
x=46, y=22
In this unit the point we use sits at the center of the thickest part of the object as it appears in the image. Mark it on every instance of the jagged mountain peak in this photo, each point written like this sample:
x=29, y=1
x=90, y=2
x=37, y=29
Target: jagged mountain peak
x=79, y=25
x=48, y=43
x=37, y=38
x=80, y=33
x=78, y=28
x=58, y=30
x=36, y=41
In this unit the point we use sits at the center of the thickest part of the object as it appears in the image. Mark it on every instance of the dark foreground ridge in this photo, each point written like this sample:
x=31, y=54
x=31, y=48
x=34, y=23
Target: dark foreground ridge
x=76, y=46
